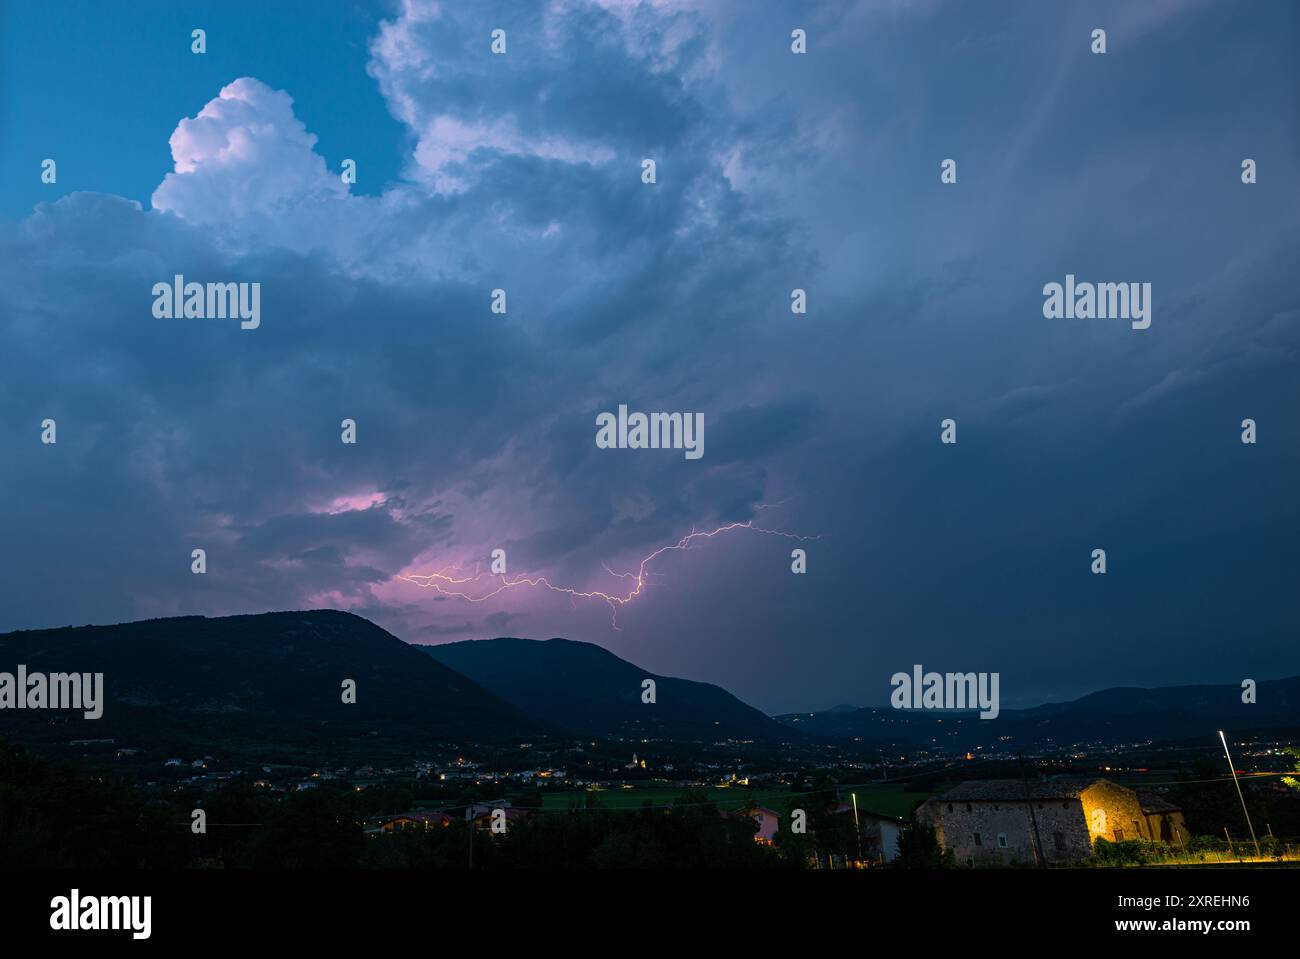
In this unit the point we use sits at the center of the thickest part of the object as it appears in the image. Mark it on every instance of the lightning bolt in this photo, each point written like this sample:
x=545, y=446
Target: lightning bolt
x=448, y=581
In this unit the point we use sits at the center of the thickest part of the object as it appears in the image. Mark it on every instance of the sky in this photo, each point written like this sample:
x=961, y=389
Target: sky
x=775, y=171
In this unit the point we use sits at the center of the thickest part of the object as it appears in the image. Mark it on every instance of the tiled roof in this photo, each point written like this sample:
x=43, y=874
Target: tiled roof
x=1150, y=802
x=1011, y=790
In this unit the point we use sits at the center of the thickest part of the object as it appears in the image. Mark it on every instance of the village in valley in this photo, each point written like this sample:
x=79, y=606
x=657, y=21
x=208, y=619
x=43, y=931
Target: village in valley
x=810, y=805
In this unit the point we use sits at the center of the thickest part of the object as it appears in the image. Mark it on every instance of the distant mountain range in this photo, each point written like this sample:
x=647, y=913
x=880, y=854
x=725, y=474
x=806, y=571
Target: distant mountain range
x=587, y=689
x=270, y=683
x=1119, y=715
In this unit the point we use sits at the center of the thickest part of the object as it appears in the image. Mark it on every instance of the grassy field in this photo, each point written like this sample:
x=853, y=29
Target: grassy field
x=886, y=799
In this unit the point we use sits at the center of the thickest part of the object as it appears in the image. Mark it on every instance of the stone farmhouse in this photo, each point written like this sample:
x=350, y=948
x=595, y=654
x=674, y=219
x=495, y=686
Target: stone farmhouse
x=1052, y=821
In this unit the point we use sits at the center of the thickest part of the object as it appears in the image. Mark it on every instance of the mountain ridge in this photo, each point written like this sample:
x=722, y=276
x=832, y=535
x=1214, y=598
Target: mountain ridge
x=586, y=688
x=1117, y=713
x=274, y=679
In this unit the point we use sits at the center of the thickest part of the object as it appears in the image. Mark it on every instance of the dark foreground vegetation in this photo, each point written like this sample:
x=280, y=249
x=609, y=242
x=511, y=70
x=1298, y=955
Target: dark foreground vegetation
x=54, y=815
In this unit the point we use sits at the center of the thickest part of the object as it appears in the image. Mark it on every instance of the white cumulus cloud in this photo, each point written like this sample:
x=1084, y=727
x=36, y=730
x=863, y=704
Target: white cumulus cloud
x=244, y=155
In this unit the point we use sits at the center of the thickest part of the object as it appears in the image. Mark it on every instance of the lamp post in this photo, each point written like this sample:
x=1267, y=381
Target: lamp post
x=856, y=828
x=1233, y=769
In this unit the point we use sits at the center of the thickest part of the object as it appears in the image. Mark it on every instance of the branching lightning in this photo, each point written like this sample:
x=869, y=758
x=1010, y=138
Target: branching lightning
x=448, y=581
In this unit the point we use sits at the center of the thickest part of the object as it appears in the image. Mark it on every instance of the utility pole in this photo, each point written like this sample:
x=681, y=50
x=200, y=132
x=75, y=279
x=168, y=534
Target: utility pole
x=1233, y=769
x=1033, y=820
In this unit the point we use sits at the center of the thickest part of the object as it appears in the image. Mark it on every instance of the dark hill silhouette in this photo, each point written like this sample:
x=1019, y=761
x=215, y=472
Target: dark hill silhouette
x=270, y=684
x=589, y=690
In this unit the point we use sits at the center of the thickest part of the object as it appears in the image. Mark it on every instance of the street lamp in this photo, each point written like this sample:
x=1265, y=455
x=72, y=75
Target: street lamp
x=856, y=828
x=1233, y=770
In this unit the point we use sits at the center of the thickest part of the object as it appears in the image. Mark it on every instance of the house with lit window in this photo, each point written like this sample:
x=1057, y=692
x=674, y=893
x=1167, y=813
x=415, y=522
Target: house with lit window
x=767, y=820
x=415, y=820
x=1010, y=821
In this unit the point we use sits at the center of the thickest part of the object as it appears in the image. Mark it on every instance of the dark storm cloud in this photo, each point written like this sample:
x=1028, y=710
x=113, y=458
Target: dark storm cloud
x=476, y=431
